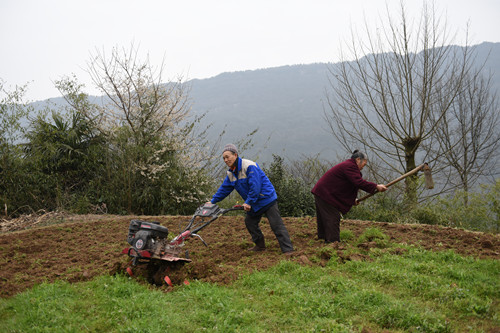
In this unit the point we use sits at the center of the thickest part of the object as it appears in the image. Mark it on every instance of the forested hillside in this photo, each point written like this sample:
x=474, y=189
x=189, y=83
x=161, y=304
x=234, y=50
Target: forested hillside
x=287, y=104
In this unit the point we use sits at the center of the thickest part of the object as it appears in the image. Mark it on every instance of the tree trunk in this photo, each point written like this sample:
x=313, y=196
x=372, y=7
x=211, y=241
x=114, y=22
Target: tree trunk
x=410, y=146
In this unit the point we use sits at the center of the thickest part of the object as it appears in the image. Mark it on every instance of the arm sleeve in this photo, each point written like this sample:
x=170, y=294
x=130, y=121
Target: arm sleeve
x=223, y=191
x=254, y=183
x=357, y=180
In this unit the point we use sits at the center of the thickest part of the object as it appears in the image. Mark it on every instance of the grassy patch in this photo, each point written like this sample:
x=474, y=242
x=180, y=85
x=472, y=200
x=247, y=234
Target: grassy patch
x=415, y=291
x=373, y=235
x=346, y=235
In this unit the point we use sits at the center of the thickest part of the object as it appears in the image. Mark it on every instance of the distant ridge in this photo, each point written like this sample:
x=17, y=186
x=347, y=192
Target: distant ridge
x=286, y=104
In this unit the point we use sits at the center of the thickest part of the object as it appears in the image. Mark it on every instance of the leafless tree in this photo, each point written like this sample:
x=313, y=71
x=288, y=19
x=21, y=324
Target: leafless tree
x=136, y=94
x=309, y=168
x=404, y=74
x=13, y=109
x=468, y=138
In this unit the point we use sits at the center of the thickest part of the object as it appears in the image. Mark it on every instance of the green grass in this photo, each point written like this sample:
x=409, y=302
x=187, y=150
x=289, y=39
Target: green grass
x=419, y=291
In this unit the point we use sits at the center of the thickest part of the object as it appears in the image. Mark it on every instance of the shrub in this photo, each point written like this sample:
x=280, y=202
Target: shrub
x=477, y=214
x=382, y=208
x=428, y=215
x=294, y=196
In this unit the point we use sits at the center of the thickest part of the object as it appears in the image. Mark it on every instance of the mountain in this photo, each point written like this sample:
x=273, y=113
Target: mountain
x=286, y=104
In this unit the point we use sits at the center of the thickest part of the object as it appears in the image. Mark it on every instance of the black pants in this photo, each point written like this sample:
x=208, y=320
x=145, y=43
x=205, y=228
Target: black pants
x=277, y=226
x=328, y=221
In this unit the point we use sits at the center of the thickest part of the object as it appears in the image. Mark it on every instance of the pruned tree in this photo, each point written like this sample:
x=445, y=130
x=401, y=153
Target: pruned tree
x=404, y=74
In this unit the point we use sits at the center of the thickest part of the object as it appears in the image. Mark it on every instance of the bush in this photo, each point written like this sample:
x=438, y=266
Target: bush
x=469, y=210
x=294, y=196
x=428, y=215
x=382, y=208
x=473, y=211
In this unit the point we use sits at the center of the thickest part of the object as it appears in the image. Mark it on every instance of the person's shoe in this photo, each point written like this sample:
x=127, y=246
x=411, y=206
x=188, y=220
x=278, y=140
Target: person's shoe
x=256, y=248
x=259, y=246
x=288, y=253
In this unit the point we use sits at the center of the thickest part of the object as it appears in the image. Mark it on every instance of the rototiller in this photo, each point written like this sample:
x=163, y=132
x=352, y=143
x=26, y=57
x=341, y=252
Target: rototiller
x=150, y=248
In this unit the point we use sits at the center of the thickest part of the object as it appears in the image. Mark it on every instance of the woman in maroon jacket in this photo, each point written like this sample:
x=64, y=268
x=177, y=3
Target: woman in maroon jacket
x=336, y=192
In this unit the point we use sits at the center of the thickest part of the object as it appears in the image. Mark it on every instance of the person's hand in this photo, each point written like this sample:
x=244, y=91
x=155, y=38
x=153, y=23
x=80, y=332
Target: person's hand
x=247, y=207
x=381, y=188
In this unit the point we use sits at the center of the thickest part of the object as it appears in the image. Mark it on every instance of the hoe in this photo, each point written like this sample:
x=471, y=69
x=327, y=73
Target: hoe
x=429, y=183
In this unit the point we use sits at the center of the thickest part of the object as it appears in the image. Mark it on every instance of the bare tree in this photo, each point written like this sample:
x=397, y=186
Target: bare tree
x=309, y=168
x=469, y=135
x=12, y=110
x=404, y=74
x=137, y=96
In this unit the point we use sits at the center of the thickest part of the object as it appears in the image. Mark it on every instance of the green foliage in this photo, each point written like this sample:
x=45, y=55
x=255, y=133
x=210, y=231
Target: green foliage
x=374, y=235
x=82, y=159
x=12, y=111
x=12, y=169
x=378, y=208
x=482, y=212
x=492, y=200
x=63, y=153
x=427, y=214
x=346, y=235
x=418, y=291
x=294, y=196
x=151, y=163
x=154, y=179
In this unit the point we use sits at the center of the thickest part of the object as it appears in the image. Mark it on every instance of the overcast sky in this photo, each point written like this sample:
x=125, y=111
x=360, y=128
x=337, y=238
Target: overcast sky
x=44, y=40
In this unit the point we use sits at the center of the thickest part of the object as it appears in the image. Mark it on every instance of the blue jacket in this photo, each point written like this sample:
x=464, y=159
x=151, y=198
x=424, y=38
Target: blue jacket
x=250, y=182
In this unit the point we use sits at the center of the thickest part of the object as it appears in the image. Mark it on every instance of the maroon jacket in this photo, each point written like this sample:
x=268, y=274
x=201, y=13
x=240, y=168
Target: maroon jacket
x=339, y=185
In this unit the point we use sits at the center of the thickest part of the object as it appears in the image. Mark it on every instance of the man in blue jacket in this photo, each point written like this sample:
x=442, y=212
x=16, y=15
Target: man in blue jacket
x=247, y=178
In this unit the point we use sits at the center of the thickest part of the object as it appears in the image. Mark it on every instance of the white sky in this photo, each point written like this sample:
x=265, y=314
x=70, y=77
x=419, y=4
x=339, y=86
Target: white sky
x=44, y=40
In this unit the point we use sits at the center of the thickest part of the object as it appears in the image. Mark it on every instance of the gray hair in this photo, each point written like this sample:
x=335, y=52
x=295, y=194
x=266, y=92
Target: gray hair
x=358, y=154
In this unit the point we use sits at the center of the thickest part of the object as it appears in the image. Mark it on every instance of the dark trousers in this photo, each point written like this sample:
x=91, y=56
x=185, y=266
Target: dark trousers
x=277, y=226
x=328, y=220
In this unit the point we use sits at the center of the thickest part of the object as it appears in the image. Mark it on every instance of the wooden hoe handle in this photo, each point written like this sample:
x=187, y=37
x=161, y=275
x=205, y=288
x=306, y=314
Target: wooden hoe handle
x=409, y=173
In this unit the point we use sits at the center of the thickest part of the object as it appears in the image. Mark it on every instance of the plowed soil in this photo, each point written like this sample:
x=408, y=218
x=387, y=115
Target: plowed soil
x=83, y=247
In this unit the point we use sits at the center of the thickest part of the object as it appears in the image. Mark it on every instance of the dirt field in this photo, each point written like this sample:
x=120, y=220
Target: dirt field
x=83, y=247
